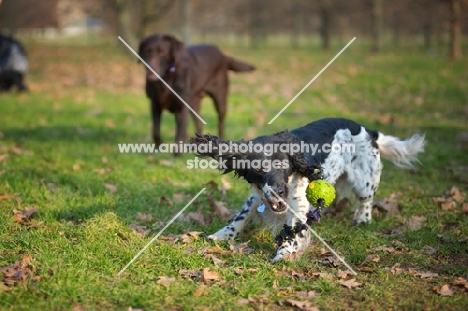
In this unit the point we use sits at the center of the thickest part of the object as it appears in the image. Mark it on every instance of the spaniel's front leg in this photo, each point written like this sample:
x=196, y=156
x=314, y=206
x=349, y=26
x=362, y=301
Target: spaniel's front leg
x=292, y=239
x=232, y=231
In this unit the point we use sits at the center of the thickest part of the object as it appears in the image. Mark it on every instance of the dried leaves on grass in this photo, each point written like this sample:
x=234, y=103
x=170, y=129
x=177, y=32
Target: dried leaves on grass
x=24, y=217
x=450, y=199
x=19, y=272
x=205, y=275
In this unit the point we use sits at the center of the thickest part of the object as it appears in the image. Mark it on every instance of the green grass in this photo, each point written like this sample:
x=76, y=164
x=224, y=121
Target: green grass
x=85, y=100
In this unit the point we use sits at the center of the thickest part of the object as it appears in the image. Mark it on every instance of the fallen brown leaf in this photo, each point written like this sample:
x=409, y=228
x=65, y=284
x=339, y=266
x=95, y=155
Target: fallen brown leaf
x=301, y=305
x=342, y=274
x=240, y=248
x=3, y=157
x=23, y=217
x=385, y=249
x=144, y=217
x=415, y=222
x=216, y=250
x=6, y=197
x=461, y=282
x=166, y=163
x=241, y=271
x=218, y=262
x=186, y=237
x=331, y=261
x=190, y=274
x=111, y=187
x=78, y=307
x=395, y=269
x=208, y=275
x=179, y=197
x=425, y=275
x=17, y=272
x=389, y=204
x=4, y=288
x=18, y=150
x=165, y=280
x=444, y=290
x=350, y=283
x=457, y=195
x=371, y=258
x=140, y=230
x=220, y=209
x=164, y=199
x=465, y=208
x=243, y=302
x=448, y=205
x=100, y=171
x=198, y=217
x=200, y=290
x=111, y=124
x=76, y=167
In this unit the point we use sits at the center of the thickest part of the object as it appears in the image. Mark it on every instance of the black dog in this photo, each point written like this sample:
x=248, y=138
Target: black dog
x=343, y=152
x=13, y=64
x=191, y=72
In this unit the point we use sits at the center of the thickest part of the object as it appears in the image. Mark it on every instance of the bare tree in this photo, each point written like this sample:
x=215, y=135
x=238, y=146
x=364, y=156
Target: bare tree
x=455, y=29
x=325, y=8
x=125, y=17
x=153, y=11
x=186, y=13
x=376, y=28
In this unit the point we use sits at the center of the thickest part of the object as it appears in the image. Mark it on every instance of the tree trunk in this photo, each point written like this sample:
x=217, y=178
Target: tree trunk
x=296, y=18
x=325, y=28
x=186, y=14
x=455, y=31
x=124, y=22
x=428, y=36
x=376, y=18
x=11, y=17
x=256, y=25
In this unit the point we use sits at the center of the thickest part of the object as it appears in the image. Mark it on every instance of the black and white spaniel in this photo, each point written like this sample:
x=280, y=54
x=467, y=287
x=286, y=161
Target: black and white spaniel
x=343, y=152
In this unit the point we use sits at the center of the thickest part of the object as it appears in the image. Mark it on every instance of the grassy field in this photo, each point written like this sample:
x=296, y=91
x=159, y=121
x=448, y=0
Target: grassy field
x=58, y=153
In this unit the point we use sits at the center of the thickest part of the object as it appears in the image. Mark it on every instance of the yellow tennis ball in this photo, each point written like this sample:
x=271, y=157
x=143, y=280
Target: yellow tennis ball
x=320, y=190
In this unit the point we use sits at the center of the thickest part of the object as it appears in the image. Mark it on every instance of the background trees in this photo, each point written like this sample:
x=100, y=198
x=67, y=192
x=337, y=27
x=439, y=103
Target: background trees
x=429, y=23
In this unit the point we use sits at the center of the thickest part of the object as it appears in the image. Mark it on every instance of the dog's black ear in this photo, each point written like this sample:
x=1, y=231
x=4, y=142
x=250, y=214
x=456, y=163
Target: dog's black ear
x=206, y=145
x=141, y=45
x=209, y=146
x=177, y=49
x=305, y=167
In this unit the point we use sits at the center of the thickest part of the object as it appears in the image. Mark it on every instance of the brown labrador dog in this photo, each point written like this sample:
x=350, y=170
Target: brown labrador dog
x=191, y=72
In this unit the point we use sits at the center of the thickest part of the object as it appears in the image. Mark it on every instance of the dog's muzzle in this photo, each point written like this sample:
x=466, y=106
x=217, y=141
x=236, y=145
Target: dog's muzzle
x=275, y=204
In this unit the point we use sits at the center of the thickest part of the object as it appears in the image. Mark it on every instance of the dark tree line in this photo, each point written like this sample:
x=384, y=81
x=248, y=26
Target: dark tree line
x=377, y=21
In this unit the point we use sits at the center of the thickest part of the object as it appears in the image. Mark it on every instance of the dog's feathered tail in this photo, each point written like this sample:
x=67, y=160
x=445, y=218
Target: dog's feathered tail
x=403, y=153
x=239, y=66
